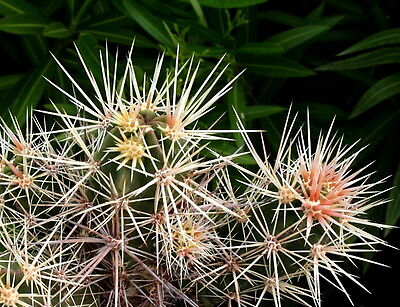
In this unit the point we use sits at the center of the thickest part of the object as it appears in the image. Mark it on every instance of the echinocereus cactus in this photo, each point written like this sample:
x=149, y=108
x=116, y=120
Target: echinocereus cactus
x=117, y=205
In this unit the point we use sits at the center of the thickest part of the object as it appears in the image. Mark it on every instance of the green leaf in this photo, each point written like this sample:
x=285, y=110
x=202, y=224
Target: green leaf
x=49, y=7
x=294, y=37
x=282, y=18
x=120, y=36
x=379, y=126
x=23, y=24
x=322, y=111
x=278, y=67
x=377, y=57
x=89, y=50
x=203, y=51
x=71, y=7
x=84, y=6
x=66, y=107
x=56, y=30
x=350, y=7
x=148, y=22
x=8, y=7
x=35, y=47
x=101, y=7
x=29, y=90
x=236, y=102
x=254, y=112
x=380, y=17
x=393, y=209
x=274, y=133
x=199, y=12
x=267, y=48
x=358, y=77
x=113, y=19
x=228, y=4
x=315, y=14
x=63, y=82
x=380, y=91
x=341, y=36
x=226, y=149
x=6, y=82
x=387, y=37
x=204, y=32
x=330, y=21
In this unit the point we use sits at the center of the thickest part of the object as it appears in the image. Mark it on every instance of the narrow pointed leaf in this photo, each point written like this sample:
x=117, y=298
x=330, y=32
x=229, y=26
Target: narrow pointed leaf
x=377, y=57
x=254, y=112
x=229, y=148
x=148, y=22
x=23, y=24
x=329, y=21
x=120, y=36
x=294, y=37
x=112, y=19
x=228, y=4
x=322, y=111
x=35, y=47
x=393, y=209
x=7, y=81
x=283, y=18
x=29, y=90
x=315, y=14
x=9, y=7
x=204, y=32
x=68, y=108
x=56, y=30
x=237, y=102
x=267, y=48
x=278, y=67
x=380, y=91
x=90, y=52
x=387, y=37
x=204, y=51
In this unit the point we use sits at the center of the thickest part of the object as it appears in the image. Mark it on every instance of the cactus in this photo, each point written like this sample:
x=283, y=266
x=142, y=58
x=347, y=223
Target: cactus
x=117, y=205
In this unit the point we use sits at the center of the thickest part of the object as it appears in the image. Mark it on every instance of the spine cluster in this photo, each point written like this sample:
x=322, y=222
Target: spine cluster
x=125, y=203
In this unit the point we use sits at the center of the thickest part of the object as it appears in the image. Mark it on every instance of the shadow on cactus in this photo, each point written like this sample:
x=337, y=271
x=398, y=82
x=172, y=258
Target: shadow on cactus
x=116, y=205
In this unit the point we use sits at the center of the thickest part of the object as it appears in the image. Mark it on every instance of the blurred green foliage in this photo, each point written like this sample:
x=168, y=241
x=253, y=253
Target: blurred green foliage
x=335, y=58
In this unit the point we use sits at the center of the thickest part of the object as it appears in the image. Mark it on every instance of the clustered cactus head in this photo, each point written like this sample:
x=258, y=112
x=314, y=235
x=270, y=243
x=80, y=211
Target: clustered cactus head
x=117, y=205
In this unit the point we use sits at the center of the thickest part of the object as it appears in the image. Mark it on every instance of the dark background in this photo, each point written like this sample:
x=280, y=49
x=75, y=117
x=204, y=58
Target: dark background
x=291, y=52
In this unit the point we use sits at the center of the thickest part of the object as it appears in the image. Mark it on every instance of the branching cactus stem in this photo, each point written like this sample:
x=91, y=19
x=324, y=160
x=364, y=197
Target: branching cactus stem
x=127, y=202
